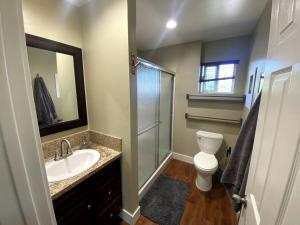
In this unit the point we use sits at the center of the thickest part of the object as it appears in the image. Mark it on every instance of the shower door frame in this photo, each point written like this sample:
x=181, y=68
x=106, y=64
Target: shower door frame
x=158, y=163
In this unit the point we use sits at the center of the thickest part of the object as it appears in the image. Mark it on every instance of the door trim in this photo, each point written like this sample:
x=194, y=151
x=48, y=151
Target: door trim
x=18, y=121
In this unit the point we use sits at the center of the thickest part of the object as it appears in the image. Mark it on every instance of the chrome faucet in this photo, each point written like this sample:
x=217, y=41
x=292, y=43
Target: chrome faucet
x=59, y=154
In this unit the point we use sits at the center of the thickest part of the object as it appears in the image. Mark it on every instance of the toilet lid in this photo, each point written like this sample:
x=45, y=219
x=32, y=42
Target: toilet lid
x=201, y=133
x=205, y=161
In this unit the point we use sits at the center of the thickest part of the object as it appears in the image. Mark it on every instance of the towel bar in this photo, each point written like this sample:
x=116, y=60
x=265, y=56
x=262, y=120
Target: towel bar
x=213, y=119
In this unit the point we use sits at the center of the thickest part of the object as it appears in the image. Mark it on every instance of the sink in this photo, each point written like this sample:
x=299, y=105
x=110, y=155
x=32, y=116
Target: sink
x=71, y=166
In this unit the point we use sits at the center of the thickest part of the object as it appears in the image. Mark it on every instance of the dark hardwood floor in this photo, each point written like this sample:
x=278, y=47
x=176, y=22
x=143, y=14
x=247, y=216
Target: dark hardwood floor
x=202, y=208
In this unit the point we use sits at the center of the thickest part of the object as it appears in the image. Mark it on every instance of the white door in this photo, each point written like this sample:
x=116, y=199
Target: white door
x=24, y=193
x=273, y=188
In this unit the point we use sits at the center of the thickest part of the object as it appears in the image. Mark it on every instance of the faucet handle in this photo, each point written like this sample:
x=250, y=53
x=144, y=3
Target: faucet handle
x=84, y=142
x=56, y=156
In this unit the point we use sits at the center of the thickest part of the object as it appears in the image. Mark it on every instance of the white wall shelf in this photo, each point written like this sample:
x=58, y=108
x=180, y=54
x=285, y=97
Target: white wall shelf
x=216, y=97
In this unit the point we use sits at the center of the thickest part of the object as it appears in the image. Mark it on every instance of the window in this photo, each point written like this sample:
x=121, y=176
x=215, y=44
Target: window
x=218, y=77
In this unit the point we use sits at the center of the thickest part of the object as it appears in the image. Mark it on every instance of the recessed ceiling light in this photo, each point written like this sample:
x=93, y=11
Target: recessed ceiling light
x=171, y=24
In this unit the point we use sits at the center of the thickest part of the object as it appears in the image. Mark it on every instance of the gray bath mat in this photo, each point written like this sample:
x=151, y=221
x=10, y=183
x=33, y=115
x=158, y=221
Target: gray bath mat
x=164, y=202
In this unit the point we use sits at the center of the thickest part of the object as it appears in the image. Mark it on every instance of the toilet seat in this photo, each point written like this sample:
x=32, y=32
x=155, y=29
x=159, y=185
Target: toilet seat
x=205, y=161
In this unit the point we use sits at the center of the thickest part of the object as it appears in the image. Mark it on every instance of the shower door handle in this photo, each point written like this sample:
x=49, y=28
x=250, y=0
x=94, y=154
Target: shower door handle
x=159, y=122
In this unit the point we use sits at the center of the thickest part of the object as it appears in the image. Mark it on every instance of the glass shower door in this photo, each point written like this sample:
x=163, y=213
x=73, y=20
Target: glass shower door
x=147, y=99
x=165, y=115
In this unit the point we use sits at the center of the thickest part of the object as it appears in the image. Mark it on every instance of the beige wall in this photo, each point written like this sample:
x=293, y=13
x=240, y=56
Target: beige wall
x=56, y=20
x=184, y=60
x=130, y=159
x=259, y=51
x=237, y=48
x=106, y=54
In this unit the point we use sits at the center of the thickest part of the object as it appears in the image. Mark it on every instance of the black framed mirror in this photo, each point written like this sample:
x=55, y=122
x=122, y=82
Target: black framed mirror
x=58, y=84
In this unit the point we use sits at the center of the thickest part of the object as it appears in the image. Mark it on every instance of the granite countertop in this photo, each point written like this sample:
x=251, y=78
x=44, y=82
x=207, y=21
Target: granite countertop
x=107, y=156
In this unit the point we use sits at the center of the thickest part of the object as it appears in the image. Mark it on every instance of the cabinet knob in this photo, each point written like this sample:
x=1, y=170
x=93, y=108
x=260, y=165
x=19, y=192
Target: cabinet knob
x=109, y=192
x=111, y=215
x=89, y=206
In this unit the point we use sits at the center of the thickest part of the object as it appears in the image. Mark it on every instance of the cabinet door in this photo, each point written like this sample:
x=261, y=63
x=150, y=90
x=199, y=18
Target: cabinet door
x=110, y=215
x=79, y=215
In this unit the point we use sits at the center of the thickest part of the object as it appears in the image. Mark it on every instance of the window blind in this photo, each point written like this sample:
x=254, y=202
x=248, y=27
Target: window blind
x=218, y=76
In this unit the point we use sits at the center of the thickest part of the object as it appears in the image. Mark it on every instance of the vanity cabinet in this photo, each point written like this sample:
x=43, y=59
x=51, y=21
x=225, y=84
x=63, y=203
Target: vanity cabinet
x=95, y=201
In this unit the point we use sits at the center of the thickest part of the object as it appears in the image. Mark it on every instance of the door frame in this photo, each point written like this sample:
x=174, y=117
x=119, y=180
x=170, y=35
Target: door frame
x=19, y=124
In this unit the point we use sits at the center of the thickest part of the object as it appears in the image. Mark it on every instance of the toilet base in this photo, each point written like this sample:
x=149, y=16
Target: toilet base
x=204, y=183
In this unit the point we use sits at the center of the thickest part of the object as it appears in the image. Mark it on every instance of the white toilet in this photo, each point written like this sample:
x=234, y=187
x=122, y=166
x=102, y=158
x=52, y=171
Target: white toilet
x=205, y=161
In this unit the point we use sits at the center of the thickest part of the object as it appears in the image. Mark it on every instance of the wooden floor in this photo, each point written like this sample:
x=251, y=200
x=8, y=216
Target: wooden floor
x=202, y=208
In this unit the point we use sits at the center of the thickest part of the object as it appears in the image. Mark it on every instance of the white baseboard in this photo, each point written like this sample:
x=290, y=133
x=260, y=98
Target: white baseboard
x=183, y=158
x=143, y=190
x=129, y=218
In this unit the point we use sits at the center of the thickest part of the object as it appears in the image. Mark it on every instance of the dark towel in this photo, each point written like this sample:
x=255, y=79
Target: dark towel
x=44, y=105
x=235, y=174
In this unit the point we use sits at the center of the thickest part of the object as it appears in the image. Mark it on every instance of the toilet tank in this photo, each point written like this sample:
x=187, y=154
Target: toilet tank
x=209, y=142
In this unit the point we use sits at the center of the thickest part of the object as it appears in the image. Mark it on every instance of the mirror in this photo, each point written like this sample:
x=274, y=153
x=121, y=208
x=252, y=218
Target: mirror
x=58, y=84
x=56, y=71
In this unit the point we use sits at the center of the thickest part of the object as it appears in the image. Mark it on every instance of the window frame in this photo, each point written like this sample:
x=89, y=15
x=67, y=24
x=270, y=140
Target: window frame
x=217, y=64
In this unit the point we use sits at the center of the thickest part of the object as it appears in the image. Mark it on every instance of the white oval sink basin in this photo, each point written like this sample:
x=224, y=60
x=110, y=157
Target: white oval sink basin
x=71, y=166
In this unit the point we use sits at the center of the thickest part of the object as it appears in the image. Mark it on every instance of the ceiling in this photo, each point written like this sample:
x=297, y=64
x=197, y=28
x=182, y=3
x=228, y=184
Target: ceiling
x=204, y=20
x=78, y=3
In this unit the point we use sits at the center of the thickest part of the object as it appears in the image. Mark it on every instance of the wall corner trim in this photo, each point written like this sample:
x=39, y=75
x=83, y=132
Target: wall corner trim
x=131, y=218
x=183, y=158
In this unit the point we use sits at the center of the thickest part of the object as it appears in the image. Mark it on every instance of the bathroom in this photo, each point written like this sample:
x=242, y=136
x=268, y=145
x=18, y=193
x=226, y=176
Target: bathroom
x=149, y=112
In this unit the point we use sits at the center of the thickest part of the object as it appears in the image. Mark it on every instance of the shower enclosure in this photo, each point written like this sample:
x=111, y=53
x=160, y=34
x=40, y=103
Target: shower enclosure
x=155, y=108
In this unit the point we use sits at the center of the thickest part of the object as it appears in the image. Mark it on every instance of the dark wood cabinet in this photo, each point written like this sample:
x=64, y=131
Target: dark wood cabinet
x=79, y=214
x=95, y=201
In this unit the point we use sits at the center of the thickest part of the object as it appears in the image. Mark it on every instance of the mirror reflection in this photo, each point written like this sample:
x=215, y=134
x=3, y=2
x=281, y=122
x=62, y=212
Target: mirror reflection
x=54, y=88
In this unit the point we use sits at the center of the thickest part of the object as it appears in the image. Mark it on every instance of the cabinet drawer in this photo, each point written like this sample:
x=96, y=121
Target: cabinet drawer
x=105, y=194
x=111, y=213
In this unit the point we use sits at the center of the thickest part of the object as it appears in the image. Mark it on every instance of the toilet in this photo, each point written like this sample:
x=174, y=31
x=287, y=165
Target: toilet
x=205, y=161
